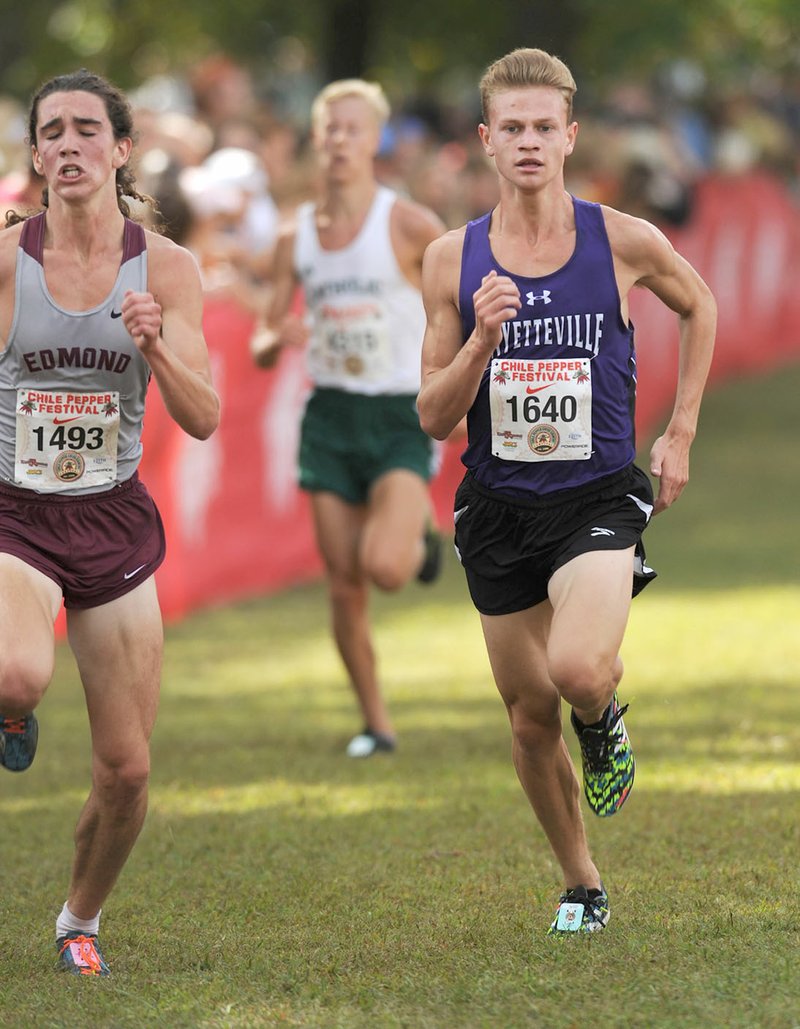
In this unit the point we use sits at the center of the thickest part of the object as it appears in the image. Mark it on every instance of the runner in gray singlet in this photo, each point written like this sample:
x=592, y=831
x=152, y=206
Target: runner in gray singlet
x=81, y=335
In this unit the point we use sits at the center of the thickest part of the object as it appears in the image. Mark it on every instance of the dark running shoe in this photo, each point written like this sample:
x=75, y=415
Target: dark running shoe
x=580, y=911
x=368, y=743
x=431, y=566
x=18, y=739
x=79, y=954
x=608, y=764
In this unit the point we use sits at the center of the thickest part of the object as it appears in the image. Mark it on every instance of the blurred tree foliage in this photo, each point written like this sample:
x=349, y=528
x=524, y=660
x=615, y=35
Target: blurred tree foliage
x=412, y=45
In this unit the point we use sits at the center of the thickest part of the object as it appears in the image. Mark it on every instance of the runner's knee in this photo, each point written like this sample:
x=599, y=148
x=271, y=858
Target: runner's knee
x=583, y=680
x=121, y=781
x=387, y=573
x=346, y=592
x=389, y=561
x=536, y=726
x=23, y=680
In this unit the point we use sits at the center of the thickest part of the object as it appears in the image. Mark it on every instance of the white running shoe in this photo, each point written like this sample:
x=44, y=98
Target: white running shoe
x=368, y=743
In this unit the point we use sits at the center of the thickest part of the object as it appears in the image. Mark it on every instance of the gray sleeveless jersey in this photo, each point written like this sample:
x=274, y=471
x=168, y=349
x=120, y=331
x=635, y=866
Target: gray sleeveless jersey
x=72, y=383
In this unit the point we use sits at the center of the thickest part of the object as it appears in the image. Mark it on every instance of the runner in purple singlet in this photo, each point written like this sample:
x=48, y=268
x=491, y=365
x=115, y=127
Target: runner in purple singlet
x=529, y=335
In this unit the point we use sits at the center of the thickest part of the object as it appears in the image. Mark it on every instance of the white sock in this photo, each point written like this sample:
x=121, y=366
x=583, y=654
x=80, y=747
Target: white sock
x=69, y=923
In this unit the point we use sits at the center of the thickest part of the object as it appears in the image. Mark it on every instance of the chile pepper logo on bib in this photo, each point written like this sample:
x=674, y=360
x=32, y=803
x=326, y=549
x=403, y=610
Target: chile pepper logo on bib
x=541, y=410
x=65, y=440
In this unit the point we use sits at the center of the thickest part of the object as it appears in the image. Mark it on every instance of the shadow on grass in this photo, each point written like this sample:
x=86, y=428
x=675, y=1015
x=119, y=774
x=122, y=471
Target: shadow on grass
x=276, y=876
x=435, y=915
x=209, y=743
x=277, y=882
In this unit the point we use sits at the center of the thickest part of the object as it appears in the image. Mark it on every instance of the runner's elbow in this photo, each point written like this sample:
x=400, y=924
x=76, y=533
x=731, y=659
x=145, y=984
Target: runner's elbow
x=205, y=423
x=432, y=425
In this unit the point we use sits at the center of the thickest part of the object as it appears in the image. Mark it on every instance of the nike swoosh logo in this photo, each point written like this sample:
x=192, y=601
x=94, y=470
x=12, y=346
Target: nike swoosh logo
x=537, y=389
x=116, y=314
x=130, y=575
x=63, y=421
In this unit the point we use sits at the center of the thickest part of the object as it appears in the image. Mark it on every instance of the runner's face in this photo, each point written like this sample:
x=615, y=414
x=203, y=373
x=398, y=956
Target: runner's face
x=347, y=137
x=528, y=135
x=75, y=147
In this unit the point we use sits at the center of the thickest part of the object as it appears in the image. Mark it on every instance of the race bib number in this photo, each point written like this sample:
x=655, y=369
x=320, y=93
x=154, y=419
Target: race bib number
x=541, y=410
x=353, y=342
x=66, y=440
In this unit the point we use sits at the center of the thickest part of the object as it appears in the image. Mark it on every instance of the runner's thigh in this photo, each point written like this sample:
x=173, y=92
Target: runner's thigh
x=398, y=509
x=29, y=603
x=591, y=598
x=118, y=647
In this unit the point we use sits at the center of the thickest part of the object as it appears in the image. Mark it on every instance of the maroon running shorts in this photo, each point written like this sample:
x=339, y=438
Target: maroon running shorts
x=96, y=547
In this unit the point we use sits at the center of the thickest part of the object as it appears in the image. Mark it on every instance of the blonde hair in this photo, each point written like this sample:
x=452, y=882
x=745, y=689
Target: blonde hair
x=527, y=67
x=370, y=92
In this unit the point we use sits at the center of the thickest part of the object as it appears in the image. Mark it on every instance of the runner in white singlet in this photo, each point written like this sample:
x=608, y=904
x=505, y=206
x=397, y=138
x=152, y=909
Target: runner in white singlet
x=358, y=252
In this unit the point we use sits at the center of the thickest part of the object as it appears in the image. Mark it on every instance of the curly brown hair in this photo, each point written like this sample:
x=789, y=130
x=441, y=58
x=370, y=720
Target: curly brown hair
x=120, y=115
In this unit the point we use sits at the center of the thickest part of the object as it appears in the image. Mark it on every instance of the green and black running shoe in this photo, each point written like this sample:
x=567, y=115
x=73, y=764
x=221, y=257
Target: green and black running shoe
x=580, y=911
x=608, y=764
x=18, y=739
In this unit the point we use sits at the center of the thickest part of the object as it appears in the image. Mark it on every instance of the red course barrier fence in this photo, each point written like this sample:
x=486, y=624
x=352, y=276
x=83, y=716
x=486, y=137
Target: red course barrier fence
x=236, y=523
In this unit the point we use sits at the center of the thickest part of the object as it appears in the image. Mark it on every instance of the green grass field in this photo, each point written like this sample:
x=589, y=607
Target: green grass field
x=278, y=883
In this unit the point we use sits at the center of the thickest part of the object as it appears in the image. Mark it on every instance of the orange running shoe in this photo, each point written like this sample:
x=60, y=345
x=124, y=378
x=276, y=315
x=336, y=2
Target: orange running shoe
x=79, y=954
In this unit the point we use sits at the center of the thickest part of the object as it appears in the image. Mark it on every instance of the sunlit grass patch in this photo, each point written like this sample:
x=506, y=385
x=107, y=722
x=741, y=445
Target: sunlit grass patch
x=278, y=883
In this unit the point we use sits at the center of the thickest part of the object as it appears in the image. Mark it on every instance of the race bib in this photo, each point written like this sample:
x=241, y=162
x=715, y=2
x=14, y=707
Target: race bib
x=541, y=410
x=66, y=440
x=353, y=342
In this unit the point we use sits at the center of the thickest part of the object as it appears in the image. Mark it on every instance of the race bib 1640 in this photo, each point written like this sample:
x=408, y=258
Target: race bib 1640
x=541, y=410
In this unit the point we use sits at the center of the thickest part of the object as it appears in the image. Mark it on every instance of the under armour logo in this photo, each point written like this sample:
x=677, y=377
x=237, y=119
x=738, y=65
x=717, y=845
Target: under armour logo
x=544, y=295
x=598, y=531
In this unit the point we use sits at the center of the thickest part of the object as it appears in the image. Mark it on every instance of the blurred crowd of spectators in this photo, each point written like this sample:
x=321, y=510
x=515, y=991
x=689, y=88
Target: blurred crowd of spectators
x=224, y=162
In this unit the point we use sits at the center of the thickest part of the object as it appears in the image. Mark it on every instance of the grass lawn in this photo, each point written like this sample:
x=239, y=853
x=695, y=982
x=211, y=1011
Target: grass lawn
x=278, y=883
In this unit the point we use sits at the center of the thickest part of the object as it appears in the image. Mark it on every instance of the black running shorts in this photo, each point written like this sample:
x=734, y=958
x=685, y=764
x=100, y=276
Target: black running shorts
x=510, y=547
x=96, y=547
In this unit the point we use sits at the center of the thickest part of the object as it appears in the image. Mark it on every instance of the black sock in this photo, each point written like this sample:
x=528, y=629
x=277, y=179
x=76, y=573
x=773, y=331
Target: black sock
x=594, y=725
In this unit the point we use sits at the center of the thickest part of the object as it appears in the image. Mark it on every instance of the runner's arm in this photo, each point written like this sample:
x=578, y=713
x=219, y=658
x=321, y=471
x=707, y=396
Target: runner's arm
x=166, y=325
x=451, y=369
x=280, y=328
x=413, y=229
x=659, y=268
